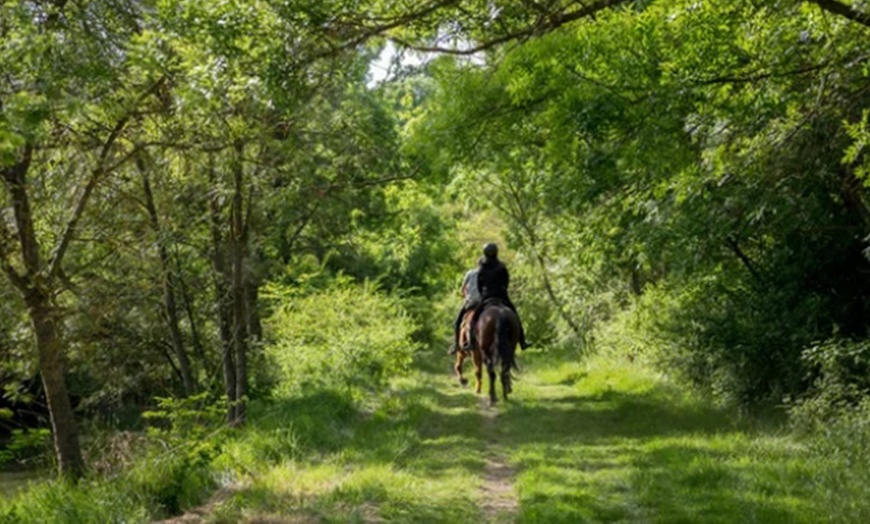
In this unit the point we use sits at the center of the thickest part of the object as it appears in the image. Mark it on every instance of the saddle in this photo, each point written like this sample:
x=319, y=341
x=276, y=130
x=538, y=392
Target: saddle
x=491, y=301
x=466, y=340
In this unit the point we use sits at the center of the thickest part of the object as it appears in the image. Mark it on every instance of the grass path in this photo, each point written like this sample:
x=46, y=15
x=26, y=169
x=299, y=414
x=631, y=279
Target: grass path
x=598, y=442
x=497, y=491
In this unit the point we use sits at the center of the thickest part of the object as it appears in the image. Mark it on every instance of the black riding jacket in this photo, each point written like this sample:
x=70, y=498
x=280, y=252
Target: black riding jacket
x=493, y=279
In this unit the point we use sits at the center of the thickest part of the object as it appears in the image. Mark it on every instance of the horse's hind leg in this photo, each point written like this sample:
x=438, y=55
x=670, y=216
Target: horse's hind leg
x=490, y=369
x=506, y=386
x=478, y=370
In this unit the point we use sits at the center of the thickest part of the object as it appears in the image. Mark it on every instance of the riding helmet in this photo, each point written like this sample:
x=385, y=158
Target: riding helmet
x=490, y=250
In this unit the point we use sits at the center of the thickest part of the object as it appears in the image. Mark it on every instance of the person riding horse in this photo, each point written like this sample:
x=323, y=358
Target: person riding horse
x=493, y=280
x=471, y=299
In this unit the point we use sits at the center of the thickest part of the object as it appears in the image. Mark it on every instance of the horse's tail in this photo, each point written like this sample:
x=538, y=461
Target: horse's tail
x=505, y=348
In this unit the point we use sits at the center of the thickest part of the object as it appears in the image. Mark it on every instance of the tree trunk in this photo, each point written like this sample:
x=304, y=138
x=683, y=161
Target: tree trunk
x=222, y=280
x=252, y=292
x=517, y=211
x=557, y=303
x=63, y=424
x=198, y=347
x=36, y=287
x=240, y=318
x=170, y=308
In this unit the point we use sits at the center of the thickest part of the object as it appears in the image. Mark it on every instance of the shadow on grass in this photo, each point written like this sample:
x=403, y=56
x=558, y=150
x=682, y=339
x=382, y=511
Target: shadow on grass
x=397, y=461
x=645, y=457
x=597, y=456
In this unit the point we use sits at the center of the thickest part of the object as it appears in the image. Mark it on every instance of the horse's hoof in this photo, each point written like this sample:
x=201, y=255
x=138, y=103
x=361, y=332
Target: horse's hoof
x=463, y=382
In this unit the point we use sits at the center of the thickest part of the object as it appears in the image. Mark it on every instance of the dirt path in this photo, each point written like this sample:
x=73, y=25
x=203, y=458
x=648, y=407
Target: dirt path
x=497, y=492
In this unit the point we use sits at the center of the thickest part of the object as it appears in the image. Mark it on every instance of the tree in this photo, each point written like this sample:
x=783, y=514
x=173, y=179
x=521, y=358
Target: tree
x=57, y=69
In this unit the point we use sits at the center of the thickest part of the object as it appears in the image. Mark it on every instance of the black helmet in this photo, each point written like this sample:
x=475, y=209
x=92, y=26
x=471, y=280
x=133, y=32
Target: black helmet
x=490, y=250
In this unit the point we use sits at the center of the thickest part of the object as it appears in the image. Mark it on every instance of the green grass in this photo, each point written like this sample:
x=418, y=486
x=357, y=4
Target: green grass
x=600, y=441
x=606, y=442
x=593, y=442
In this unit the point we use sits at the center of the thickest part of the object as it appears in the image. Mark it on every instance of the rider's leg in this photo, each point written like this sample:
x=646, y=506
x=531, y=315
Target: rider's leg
x=456, y=325
x=523, y=343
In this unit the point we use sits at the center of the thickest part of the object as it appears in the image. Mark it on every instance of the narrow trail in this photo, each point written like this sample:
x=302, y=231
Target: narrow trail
x=577, y=443
x=497, y=493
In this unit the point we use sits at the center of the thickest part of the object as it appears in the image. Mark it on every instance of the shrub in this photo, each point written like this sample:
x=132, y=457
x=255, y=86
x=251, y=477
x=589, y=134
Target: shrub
x=346, y=338
x=186, y=435
x=32, y=446
x=840, y=373
x=735, y=341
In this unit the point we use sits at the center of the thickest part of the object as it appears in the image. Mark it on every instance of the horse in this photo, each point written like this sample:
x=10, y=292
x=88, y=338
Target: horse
x=498, y=331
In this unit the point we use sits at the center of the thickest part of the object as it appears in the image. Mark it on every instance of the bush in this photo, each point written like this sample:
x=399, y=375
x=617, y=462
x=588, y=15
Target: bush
x=345, y=338
x=29, y=446
x=186, y=435
x=837, y=434
x=734, y=341
x=840, y=374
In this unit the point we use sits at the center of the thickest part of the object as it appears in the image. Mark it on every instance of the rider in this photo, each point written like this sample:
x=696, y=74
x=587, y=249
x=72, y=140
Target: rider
x=471, y=298
x=492, y=282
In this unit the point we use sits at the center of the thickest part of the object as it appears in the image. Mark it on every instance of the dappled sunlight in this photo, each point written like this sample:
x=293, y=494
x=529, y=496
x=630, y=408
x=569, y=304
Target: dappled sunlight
x=341, y=492
x=616, y=444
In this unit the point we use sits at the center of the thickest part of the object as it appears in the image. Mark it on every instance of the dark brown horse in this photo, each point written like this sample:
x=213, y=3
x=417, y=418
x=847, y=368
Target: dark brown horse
x=498, y=331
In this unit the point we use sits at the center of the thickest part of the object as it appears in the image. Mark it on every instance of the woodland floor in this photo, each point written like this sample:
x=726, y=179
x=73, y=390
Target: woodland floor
x=593, y=442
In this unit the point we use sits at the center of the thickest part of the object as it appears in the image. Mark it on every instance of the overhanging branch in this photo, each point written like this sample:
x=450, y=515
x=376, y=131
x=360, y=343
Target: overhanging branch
x=5, y=264
x=841, y=9
x=96, y=175
x=544, y=24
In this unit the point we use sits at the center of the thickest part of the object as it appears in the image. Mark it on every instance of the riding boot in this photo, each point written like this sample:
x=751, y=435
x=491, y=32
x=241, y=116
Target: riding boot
x=469, y=344
x=523, y=342
x=457, y=324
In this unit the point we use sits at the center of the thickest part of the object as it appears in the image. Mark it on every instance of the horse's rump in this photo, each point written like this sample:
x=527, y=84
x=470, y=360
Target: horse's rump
x=497, y=322
x=497, y=335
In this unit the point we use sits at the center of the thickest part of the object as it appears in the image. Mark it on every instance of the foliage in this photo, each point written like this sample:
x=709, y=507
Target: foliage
x=676, y=182
x=183, y=419
x=840, y=385
x=30, y=446
x=350, y=338
x=707, y=153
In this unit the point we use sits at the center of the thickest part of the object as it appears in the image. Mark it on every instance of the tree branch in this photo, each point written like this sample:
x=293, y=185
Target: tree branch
x=386, y=26
x=841, y=9
x=735, y=247
x=14, y=276
x=762, y=76
x=15, y=177
x=541, y=26
x=96, y=174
